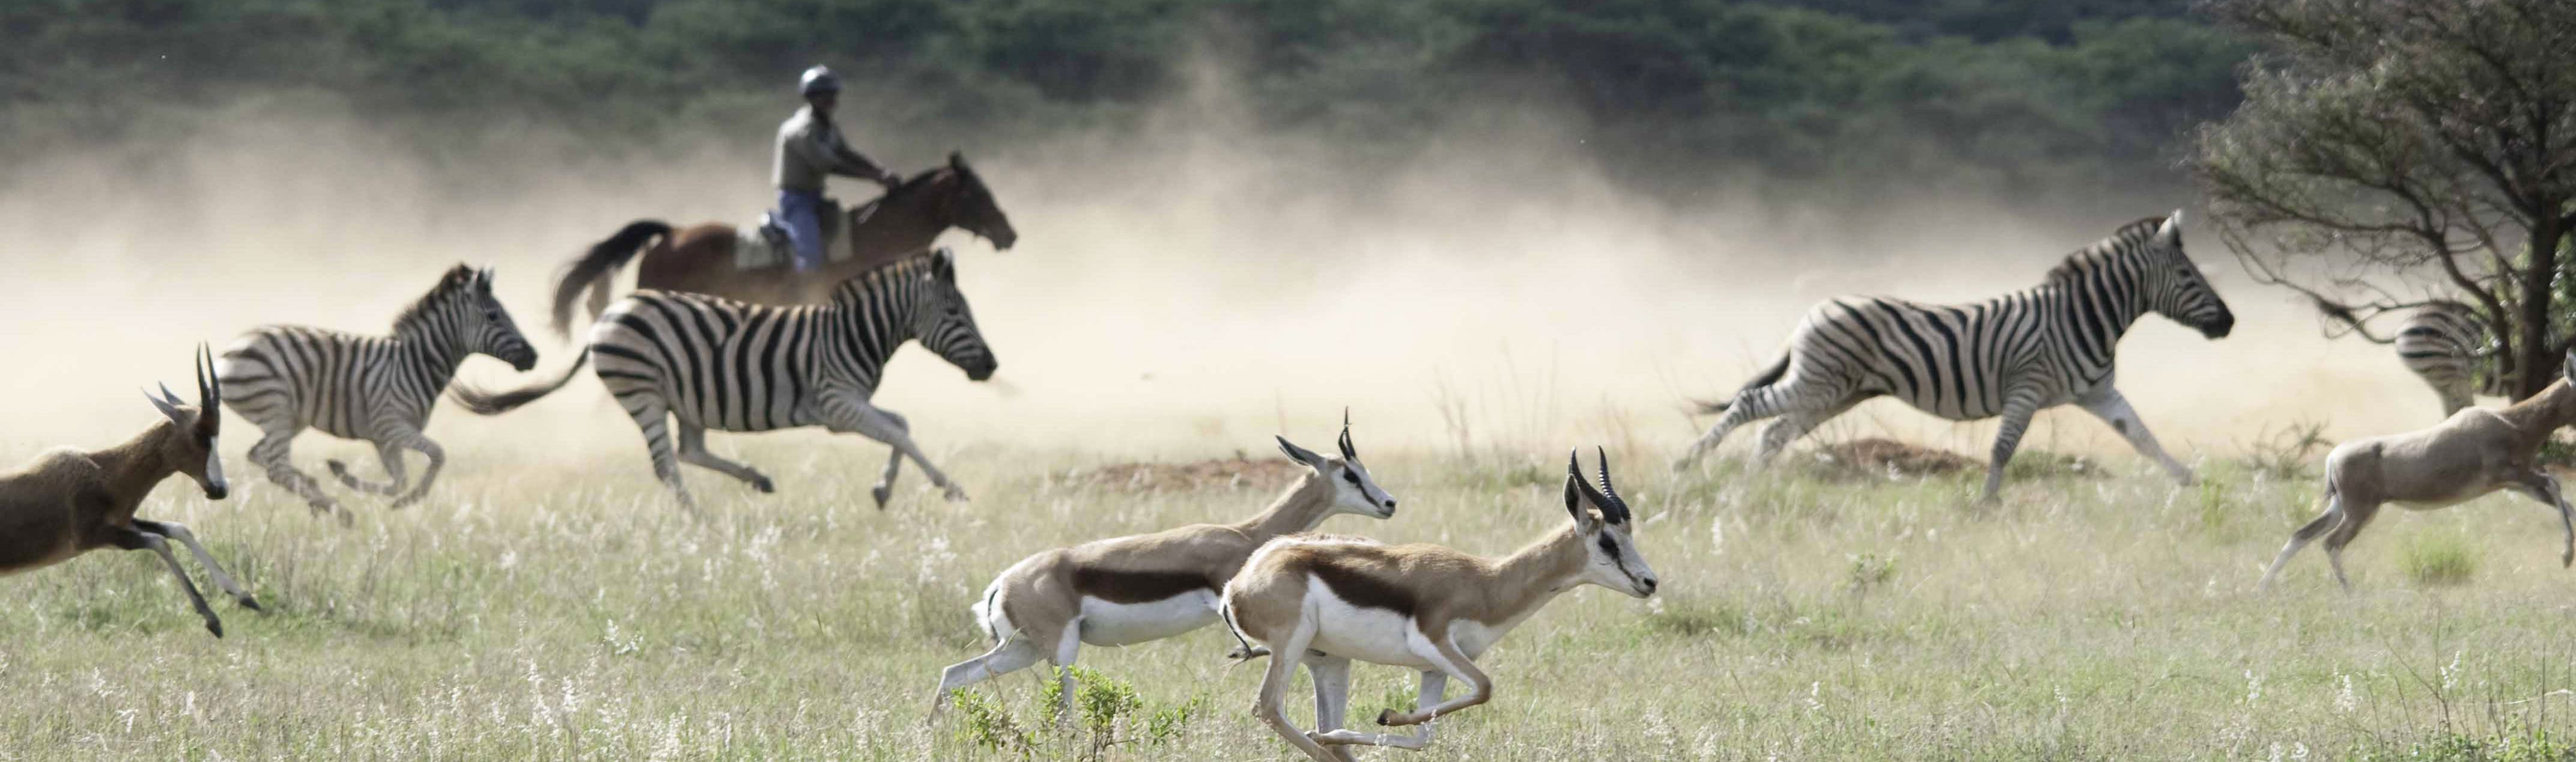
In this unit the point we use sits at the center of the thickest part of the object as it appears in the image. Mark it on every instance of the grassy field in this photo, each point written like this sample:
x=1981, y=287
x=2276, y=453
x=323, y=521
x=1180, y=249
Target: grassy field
x=564, y=609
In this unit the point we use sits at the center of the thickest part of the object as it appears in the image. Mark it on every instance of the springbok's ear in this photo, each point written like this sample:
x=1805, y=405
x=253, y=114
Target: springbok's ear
x=1300, y=454
x=163, y=404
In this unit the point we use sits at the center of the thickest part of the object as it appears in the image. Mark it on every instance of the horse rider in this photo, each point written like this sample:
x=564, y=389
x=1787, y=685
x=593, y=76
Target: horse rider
x=810, y=148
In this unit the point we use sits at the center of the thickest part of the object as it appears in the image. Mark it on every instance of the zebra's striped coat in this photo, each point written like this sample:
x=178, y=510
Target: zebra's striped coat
x=287, y=378
x=2009, y=356
x=2445, y=344
x=682, y=363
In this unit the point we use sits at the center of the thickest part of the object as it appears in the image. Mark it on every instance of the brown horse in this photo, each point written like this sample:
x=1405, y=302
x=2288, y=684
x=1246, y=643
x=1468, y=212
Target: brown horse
x=700, y=259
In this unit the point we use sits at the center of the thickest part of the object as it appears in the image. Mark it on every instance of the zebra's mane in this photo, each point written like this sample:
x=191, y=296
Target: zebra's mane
x=2122, y=241
x=901, y=268
x=458, y=280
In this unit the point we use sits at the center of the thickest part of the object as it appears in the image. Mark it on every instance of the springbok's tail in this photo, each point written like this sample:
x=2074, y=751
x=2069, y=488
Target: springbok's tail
x=480, y=402
x=1225, y=611
x=592, y=269
x=1769, y=376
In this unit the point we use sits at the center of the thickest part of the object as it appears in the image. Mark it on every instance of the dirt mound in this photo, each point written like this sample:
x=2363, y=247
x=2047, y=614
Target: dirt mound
x=1228, y=473
x=1880, y=456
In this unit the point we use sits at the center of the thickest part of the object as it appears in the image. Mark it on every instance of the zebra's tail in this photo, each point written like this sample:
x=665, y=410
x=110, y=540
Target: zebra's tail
x=480, y=402
x=591, y=269
x=1769, y=376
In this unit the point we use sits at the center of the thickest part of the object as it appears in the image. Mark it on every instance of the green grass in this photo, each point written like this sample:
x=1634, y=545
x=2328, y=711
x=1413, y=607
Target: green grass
x=561, y=608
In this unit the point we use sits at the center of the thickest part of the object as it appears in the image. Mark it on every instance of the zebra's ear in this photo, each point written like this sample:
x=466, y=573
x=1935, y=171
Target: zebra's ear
x=2170, y=233
x=943, y=262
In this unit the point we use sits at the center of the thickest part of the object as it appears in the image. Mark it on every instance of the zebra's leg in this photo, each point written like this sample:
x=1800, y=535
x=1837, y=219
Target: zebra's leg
x=2019, y=405
x=1790, y=426
x=437, y=460
x=2114, y=409
x=870, y=421
x=388, y=451
x=1786, y=396
x=653, y=418
x=271, y=455
x=693, y=451
x=894, y=462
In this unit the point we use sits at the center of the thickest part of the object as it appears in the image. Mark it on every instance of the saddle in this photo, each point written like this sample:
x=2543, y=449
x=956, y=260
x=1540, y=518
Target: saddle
x=764, y=244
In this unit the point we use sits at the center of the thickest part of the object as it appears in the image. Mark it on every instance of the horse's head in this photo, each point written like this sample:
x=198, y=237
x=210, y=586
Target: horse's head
x=968, y=205
x=946, y=325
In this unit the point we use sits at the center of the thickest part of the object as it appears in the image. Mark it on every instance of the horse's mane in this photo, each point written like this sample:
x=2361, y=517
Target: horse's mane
x=2127, y=237
x=910, y=265
x=454, y=282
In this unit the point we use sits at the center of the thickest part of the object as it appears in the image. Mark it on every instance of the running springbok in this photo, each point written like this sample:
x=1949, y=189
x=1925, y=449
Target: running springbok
x=1434, y=609
x=1127, y=590
x=2475, y=452
x=68, y=502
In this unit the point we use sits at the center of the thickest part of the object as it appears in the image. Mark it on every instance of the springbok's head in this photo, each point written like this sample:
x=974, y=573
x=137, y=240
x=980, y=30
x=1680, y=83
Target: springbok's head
x=970, y=206
x=2176, y=288
x=1354, y=491
x=191, y=441
x=1605, y=531
x=944, y=322
x=489, y=326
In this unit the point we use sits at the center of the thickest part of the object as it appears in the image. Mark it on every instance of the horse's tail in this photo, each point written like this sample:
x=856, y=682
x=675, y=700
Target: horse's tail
x=480, y=402
x=1769, y=376
x=593, y=269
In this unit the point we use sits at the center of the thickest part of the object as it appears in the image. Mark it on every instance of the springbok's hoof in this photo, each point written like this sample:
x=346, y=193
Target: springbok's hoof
x=881, y=493
x=953, y=494
x=250, y=603
x=761, y=482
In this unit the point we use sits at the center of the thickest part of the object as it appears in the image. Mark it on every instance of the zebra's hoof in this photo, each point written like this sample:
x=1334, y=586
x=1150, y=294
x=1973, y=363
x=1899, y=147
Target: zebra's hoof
x=881, y=493
x=338, y=468
x=404, y=502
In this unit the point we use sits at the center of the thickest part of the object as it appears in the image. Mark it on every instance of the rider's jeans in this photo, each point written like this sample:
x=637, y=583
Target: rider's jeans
x=802, y=213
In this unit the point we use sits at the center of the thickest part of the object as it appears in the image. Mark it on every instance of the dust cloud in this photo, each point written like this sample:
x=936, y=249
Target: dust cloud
x=1186, y=287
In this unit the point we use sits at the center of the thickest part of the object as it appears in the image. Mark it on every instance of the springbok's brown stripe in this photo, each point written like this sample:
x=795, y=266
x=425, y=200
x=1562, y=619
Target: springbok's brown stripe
x=1129, y=586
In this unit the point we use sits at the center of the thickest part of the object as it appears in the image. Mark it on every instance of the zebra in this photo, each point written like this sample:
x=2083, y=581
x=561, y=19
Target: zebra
x=2446, y=344
x=2009, y=356
x=285, y=378
x=715, y=363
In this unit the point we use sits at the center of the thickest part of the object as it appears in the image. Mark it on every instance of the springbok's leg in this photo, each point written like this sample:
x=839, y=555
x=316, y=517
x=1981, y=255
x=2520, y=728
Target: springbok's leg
x=1267, y=704
x=894, y=461
x=271, y=455
x=693, y=451
x=2114, y=409
x=849, y=416
x=1332, y=678
x=2020, y=403
x=1012, y=655
x=1433, y=683
x=136, y=539
x=388, y=451
x=2542, y=487
x=1068, y=645
x=1445, y=655
x=2299, y=539
x=2356, y=514
x=175, y=531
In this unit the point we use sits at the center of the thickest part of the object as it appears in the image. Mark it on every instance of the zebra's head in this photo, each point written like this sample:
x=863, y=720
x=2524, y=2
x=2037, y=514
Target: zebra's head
x=492, y=331
x=945, y=324
x=2176, y=288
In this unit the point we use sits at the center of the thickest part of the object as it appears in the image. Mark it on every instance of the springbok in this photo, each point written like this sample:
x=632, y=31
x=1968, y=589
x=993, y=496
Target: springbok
x=2473, y=453
x=68, y=502
x=1128, y=590
x=1428, y=607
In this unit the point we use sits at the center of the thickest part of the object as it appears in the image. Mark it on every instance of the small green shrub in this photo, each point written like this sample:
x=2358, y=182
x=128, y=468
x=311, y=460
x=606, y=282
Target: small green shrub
x=2440, y=560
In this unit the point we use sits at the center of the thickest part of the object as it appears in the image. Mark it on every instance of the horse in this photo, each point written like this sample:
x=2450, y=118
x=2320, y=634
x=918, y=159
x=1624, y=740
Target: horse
x=700, y=259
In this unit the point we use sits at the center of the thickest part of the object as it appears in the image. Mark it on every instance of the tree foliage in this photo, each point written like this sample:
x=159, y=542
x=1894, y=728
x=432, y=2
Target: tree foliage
x=2012, y=91
x=2413, y=141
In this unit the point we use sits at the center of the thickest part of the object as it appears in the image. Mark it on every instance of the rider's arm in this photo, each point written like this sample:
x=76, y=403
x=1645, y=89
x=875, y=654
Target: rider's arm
x=847, y=161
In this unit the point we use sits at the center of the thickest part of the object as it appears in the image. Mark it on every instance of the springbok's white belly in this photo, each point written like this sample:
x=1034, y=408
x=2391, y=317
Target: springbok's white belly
x=1374, y=635
x=1117, y=624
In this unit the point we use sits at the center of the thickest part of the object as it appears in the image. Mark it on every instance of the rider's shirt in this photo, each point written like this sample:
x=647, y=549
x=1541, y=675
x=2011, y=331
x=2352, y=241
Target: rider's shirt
x=810, y=149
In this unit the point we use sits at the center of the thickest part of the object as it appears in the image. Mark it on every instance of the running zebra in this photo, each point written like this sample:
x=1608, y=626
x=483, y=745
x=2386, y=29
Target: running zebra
x=732, y=366
x=285, y=378
x=2010, y=356
x=2446, y=344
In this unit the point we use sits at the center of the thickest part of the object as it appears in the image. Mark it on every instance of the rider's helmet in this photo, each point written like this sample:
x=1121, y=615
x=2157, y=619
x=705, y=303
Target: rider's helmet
x=817, y=80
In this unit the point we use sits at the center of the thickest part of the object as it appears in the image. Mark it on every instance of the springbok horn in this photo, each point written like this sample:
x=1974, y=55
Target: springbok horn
x=1574, y=473
x=1347, y=452
x=1617, y=503
x=206, y=395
